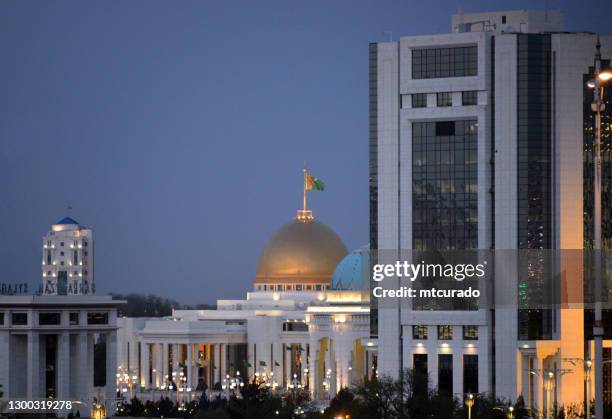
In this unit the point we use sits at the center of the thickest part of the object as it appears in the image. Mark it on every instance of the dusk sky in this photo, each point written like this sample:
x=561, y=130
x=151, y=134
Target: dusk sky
x=178, y=130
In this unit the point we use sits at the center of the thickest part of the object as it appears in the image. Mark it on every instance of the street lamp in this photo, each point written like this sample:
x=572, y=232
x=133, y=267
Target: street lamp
x=469, y=402
x=598, y=106
x=510, y=412
x=550, y=384
x=587, y=377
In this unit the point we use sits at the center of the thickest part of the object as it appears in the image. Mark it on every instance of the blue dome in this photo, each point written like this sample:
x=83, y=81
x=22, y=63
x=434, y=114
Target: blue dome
x=352, y=273
x=67, y=221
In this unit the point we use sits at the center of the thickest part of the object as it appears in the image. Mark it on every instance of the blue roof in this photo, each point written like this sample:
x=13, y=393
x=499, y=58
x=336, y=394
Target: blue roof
x=352, y=273
x=67, y=220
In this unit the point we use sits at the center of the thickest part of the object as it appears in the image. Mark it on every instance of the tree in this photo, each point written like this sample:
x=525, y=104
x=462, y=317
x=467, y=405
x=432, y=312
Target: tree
x=139, y=305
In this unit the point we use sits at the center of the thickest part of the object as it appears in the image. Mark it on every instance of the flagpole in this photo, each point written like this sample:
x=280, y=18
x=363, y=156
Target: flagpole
x=305, y=175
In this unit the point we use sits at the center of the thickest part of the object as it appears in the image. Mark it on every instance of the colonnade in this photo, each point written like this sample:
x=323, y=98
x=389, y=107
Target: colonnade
x=183, y=365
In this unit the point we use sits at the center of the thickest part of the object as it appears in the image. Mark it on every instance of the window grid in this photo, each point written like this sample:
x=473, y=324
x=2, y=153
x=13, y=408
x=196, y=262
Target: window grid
x=419, y=100
x=432, y=63
x=419, y=332
x=445, y=332
x=469, y=98
x=470, y=332
x=444, y=173
x=444, y=99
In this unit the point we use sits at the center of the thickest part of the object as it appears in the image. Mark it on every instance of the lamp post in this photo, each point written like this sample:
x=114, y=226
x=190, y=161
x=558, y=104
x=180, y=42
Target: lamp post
x=598, y=106
x=550, y=387
x=469, y=402
x=587, y=378
x=510, y=412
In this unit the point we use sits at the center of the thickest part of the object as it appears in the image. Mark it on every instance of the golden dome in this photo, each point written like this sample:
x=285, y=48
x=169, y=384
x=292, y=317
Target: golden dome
x=300, y=252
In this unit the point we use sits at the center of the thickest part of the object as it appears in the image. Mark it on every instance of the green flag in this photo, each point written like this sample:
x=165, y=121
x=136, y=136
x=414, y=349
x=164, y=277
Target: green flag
x=314, y=184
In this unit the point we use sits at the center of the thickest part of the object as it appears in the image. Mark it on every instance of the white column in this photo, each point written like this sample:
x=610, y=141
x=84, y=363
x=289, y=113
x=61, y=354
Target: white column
x=63, y=366
x=144, y=367
x=165, y=362
x=85, y=377
x=159, y=361
x=189, y=364
x=312, y=369
x=287, y=375
x=111, y=369
x=538, y=384
x=175, y=357
x=223, y=365
x=457, y=367
x=133, y=356
x=333, y=385
x=33, y=385
x=218, y=376
x=196, y=366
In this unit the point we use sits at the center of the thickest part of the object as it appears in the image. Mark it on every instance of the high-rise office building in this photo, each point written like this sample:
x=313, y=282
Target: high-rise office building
x=67, y=259
x=480, y=139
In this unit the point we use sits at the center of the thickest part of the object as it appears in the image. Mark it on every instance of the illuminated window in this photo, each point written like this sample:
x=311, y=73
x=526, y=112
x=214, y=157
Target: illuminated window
x=445, y=332
x=419, y=332
x=470, y=332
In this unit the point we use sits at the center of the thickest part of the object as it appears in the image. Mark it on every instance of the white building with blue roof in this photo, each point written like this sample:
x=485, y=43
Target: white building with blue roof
x=68, y=259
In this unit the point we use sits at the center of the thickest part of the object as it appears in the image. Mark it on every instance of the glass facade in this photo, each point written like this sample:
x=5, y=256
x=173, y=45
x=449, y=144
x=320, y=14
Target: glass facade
x=373, y=171
x=444, y=176
x=433, y=63
x=534, y=170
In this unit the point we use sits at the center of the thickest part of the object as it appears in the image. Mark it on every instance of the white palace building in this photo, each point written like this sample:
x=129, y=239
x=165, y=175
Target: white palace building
x=305, y=324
